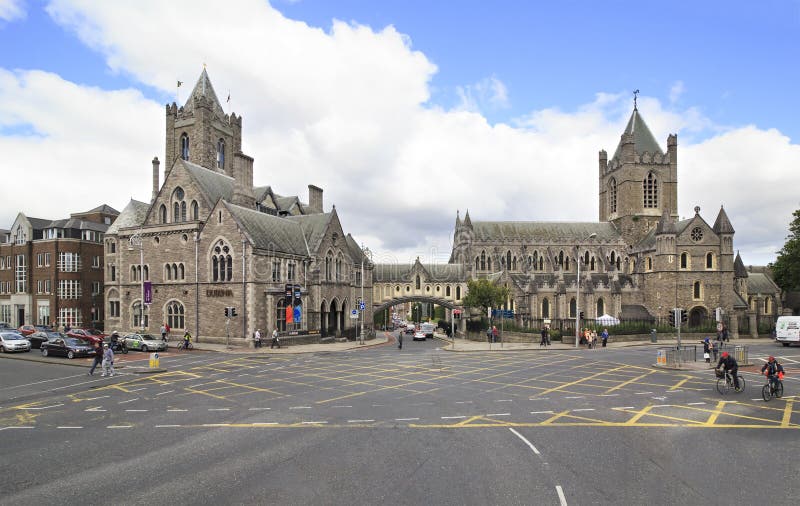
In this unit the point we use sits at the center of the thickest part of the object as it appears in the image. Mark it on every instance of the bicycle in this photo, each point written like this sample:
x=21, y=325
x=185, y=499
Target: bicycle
x=768, y=391
x=184, y=345
x=725, y=382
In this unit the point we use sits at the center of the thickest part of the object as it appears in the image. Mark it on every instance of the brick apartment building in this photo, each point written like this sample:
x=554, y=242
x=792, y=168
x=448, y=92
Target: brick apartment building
x=51, y=271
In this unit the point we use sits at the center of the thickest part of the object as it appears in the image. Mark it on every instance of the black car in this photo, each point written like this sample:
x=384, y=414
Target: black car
x=69, y=347
x=37, y=338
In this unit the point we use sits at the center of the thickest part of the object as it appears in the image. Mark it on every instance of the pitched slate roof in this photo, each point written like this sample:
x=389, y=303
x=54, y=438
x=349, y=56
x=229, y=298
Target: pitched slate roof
x=39, y=223
x=313, y=227
x=401, y=273
x=104, y=209
x=355, y=250
x=543, y=231
x=133, y=215
x=723, y=224
x=268, y=232
x=643, y=139
x=214, y=184
x=758, y=282
x=665, y=224
x=203, y=88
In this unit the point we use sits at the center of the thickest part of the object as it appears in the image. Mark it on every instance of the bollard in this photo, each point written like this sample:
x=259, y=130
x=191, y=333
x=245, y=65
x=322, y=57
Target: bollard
x=154, y=361
x=653, y=336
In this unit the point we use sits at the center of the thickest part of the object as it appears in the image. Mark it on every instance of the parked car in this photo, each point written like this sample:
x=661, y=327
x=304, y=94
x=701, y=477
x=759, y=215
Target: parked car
x=26, y=330
x=37, y=338
x=69, y=347
x=86, y=334
x=419, y=336
x=4, y=326
x=11, y=341
x=143, y=342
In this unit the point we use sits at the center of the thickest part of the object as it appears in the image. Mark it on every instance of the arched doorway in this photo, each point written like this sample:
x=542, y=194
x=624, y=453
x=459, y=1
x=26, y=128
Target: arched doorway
x=323, y=319
x=344, y=314
x=697, y=316
x=333, y=317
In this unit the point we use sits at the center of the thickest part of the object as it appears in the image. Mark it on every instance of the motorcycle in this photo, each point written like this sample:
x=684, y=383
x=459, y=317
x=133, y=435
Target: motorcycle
x=118, y=347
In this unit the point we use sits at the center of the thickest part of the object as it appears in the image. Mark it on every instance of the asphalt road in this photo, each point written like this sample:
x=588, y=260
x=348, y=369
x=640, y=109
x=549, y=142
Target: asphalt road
x=389, y=426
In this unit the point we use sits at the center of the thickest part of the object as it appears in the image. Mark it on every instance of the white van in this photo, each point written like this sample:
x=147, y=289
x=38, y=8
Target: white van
x=787, y=330
x=427, y=329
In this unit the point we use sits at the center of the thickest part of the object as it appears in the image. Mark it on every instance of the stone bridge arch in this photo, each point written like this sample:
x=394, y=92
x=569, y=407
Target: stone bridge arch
x=377, y=308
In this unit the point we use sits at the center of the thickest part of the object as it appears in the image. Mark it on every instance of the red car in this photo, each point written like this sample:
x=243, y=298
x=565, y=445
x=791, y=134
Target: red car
x=93, y=335
x=26, y=330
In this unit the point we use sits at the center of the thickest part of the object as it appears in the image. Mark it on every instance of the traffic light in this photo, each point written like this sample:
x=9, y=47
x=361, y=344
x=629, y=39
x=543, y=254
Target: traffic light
x=684, y=316
x=227, y=312
x=672, y=318
x=580, y=315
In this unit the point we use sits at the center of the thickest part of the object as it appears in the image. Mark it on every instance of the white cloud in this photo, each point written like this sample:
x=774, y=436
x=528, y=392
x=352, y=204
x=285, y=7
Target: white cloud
x=347, y=109
x=11, y=10
x=487, y=94
x=676, y=91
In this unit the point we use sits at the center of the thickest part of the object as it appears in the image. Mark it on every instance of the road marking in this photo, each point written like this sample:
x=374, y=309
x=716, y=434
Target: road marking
x=68, y=427
x=624, y=407
x=95, y=398
x=453, y=417
x=463, y=402
x=18, y=427
x=584, y=409
x=167, y=392
x=538, y=398
x=259, y=409
x=499, y=414
x=695, y=403
x=418, y=404
x=757, y=399
x=176, y=410
x=642, y=393
x=378, y=405
x=675, y=387
x=136, y=410
x=92, y=410
x=561, y=498
x=662, y=405
x=264, y=423
x=314, y=423
x=405, y=419
x=138, y=389
x=575, y=397
x=167, y=425
x=609, y=395
x=787, y=413
x=119, y=427
x=341, y=406
x=215, y=425
x=359, y=421
x=525, y=441
x=219, y=409
x=45, y=407
x=541, y=412
x=129, y=400
x=504, y=400
x=300, y=407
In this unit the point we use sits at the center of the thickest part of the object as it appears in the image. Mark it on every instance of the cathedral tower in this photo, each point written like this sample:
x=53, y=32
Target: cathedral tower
x=201, y=132
x=640, y=181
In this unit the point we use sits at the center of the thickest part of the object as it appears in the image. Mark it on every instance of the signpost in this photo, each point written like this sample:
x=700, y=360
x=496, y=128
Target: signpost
x=354, y=314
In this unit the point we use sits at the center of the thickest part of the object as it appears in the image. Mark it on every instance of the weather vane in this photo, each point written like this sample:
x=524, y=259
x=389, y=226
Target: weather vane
x=635, y=93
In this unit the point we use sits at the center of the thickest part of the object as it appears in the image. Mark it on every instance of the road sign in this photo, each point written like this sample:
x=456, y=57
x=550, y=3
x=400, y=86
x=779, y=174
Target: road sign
x=362, y=306
x=354, y=314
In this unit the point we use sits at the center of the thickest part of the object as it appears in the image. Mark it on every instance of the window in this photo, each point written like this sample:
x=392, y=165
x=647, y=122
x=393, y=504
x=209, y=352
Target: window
x=280, y=315
x=69, y=262
x=39, y=259
x=358, y=277
x=601, y=307
x=5, y=312
x=69, y=289
x=290, y=271
x=612, y=196
x=697, y=290
x=175, y=316
x=477, y=264
x=113, y=309
x=95, y=288
x=112, y=246
x=195, y=211
x=458, y=293
x=650, y=187
x=96, y=262
x=39, y=286
x=44, y=315
x=572, y=307
x=276, y=270
x=21, y=237
x=697, y=234
x=162, y=214
x=545, y=308
x=649, y=264
x=508, y=260
x=418, y=283
x=221, y=154
x=112, y=272
x=483, y=260
x=684, y=260
x=70, y=316
x=137, y=317
x=560, y=259
x=21, y=275
x=48, y=287
x=328, y=266
x=339, y=268
x=447, y=291
x=184, y=146
x=47, y=259
x=221, y=262
x=709, y=260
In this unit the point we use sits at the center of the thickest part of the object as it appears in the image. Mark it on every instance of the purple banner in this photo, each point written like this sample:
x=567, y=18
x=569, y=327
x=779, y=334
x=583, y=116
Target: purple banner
x=148, y=292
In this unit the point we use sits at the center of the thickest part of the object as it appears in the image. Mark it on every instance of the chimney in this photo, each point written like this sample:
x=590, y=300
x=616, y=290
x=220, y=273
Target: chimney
x=156, y=164
x=243, y=181
x=315, y=198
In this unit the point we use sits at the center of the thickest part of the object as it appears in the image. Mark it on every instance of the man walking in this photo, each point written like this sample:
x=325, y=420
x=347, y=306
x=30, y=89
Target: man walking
x=164, y=332
x=400, y=340
x=545, y=337
x=98, y=357
x=275, y=341
x=108, y=361
x=604, y=337
x=495, y=333
x=257, y=339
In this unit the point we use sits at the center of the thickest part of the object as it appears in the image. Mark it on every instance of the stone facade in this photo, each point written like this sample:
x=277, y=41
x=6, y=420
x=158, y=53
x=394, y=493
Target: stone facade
x=210, y=240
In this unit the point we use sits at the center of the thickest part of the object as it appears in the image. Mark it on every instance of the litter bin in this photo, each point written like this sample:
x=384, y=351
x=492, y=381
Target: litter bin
x=653, y=337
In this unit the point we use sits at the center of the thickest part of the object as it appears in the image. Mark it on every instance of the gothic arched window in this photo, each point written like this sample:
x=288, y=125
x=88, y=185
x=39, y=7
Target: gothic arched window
x=221, y=262
x=545, y=308
x=477, y=263
x=195, y=211
x=162, y=214
x=221, y=154
x=601, y=307
x=419, y=282
x=483, y=260
x=184, y=146
x=612, y=195
x=508, y=260
x=697, y=290
x=458, y=293
x=328, y=266
x=572, y=307
x=650, y=188
x=175, y=315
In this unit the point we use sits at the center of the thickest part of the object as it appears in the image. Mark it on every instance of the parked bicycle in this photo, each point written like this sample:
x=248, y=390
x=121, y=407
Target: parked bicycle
x=725, y=382
x=772, y=389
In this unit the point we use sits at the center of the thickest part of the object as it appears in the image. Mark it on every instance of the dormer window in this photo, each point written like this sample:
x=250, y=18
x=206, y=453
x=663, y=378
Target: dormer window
x=185, y=146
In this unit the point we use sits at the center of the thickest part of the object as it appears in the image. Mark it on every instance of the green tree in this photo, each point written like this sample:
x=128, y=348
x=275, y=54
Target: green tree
x=786, y=268
x=483, y=294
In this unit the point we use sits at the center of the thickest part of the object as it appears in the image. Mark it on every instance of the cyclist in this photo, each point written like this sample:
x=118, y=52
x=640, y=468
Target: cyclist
x=730, y=365
x=187, y=338
x=774, y=372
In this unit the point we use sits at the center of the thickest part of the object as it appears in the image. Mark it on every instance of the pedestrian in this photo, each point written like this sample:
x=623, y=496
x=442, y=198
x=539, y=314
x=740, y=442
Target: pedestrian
x=594, y=339
x=488, y=334
x=164, y=332
x=166, y=326
x=707, y=350
x=98, y=357
x=604, y=337
x=589, y=339
x=400, y=340
x=108, y=361
x=495, y=334
x=257, y=339
x=187, y=338
x=275, y=341
x=545, y=337
x=714, y=349
x=725, y=337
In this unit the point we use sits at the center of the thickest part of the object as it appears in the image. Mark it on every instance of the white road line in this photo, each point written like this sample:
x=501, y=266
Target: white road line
x=359, y=421
x=44, y=407
x=695, y=403
x=68, y=427
x=662, y=405
x=609, y=395
x=136, y=410
x=504, y=400
x=575, y=397
x=18, y=427
x=419, y=404
x=119, y=427
x=561, y=498
x=541, y=412
x=642, y=393
x=167, y=425
x=219, y=409
x=538, y=398
x=137, y=389
x=314, y=423
x=167, y=392
x=129, y=400
x=525, y=441
x=452, y=417
x=341, y=406
x=300, y=407
x=95, y=398
x=216, y=425
x=499, y=414
x=93, y=410
x=197, y=385
x=378, y=405
x=176, y=410
x=624, y=407
x=259, y=409
x=463, y=402
x=405, y=419
x=583, y=409
x=265, y=423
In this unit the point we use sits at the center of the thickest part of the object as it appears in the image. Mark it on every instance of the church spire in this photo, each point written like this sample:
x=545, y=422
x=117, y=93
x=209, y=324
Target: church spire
x=723, y=224
x=467, y=220
x=641, y=135
x=204, y=90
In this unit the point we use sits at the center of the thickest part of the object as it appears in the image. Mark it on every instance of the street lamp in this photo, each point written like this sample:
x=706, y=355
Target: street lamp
x=578, y=289
x=366, y=254
x=136, y=242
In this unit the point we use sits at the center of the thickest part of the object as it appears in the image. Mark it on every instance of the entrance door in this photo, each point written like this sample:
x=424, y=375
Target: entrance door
x=20, y=316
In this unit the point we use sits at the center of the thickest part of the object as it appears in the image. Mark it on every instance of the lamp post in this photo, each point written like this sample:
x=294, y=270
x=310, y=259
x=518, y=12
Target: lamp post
x=366, y=253
x=136, y=242
x=578, y=290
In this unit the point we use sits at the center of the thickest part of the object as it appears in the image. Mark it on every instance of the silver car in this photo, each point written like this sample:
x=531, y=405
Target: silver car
x=143, y=342
x=11, y=341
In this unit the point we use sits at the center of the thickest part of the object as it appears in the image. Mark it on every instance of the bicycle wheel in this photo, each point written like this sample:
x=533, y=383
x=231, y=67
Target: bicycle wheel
x=766, y=394
x=722, y=386
x=742, y=383
x=779, y=389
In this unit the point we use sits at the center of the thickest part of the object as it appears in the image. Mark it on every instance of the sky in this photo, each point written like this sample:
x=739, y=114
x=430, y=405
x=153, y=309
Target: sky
x=407, y=112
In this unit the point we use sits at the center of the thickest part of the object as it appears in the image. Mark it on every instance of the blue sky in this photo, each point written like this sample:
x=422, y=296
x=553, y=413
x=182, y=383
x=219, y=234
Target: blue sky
x=450, y=92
